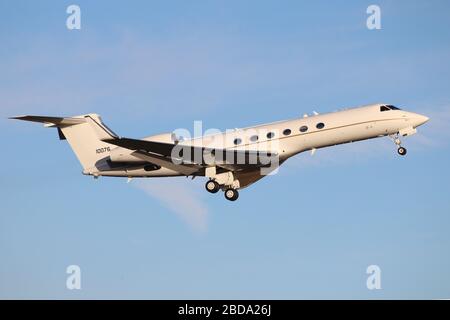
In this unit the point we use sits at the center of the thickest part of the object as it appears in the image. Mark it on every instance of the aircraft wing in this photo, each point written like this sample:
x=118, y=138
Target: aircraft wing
x=193, y=156
x=161, y=148
x=249, y=176
x=186, y=169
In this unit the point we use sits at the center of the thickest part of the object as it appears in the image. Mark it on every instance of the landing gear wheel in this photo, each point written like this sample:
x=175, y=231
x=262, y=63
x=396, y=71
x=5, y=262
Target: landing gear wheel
x=212, y=186
x=231, y=194
x=401, y=151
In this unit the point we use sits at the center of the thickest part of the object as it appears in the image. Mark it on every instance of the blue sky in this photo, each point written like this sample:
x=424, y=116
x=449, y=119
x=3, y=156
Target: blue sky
x=148, y=67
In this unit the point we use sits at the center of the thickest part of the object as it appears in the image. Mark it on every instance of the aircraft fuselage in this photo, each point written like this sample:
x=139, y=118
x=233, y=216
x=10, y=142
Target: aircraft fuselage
x=288, y=138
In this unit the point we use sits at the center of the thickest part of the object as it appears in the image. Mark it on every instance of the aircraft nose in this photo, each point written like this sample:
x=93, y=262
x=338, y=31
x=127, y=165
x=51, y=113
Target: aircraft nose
x=420, y=119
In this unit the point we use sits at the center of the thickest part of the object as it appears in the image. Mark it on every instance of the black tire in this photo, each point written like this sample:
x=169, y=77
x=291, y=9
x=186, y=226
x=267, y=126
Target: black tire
x=401, y=151
x=212, y=186
x=231, y=194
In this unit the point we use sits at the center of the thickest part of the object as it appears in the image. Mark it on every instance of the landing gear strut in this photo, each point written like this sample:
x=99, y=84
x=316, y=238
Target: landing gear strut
x=231, y=194
x=401, y=150
x=212, y=186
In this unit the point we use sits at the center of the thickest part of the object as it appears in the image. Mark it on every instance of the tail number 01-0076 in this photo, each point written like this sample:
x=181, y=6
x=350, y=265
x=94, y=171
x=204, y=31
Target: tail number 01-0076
x=103, y=150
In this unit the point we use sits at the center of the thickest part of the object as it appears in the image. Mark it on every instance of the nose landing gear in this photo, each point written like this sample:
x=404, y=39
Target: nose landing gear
x=401, y=150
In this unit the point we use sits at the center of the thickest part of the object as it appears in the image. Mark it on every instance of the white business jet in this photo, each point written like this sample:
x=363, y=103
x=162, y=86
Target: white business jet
x=231, y=160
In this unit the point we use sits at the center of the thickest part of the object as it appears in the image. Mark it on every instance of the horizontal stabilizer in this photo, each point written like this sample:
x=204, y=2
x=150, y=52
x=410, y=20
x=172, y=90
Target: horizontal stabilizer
x=52, y=121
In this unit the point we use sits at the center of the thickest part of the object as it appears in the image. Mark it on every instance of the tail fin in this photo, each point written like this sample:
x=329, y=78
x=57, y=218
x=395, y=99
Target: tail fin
x=84, y=134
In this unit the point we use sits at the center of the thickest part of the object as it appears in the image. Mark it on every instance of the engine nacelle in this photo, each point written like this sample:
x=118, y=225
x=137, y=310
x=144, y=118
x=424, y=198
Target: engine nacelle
x=163, y=137
x=123, y=155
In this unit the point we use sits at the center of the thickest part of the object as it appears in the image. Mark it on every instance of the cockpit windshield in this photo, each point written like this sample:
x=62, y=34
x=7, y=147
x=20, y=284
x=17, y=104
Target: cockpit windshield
x=388, y=108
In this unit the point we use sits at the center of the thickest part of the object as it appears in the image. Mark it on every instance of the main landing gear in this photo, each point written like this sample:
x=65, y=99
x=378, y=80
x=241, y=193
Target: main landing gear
x=230, y=194
x=401, y=150
x=212, y=186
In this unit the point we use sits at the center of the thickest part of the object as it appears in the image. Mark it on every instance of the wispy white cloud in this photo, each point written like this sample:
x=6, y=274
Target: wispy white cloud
x=179, y=196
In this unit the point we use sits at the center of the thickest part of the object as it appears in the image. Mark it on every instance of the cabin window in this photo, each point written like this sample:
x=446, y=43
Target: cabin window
x=237, y=141
x=392, y=107
x=270, y=135
x=303, y=128
x=384, y=108
x=287, y=132
x=320, y=125
x=254, y=138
